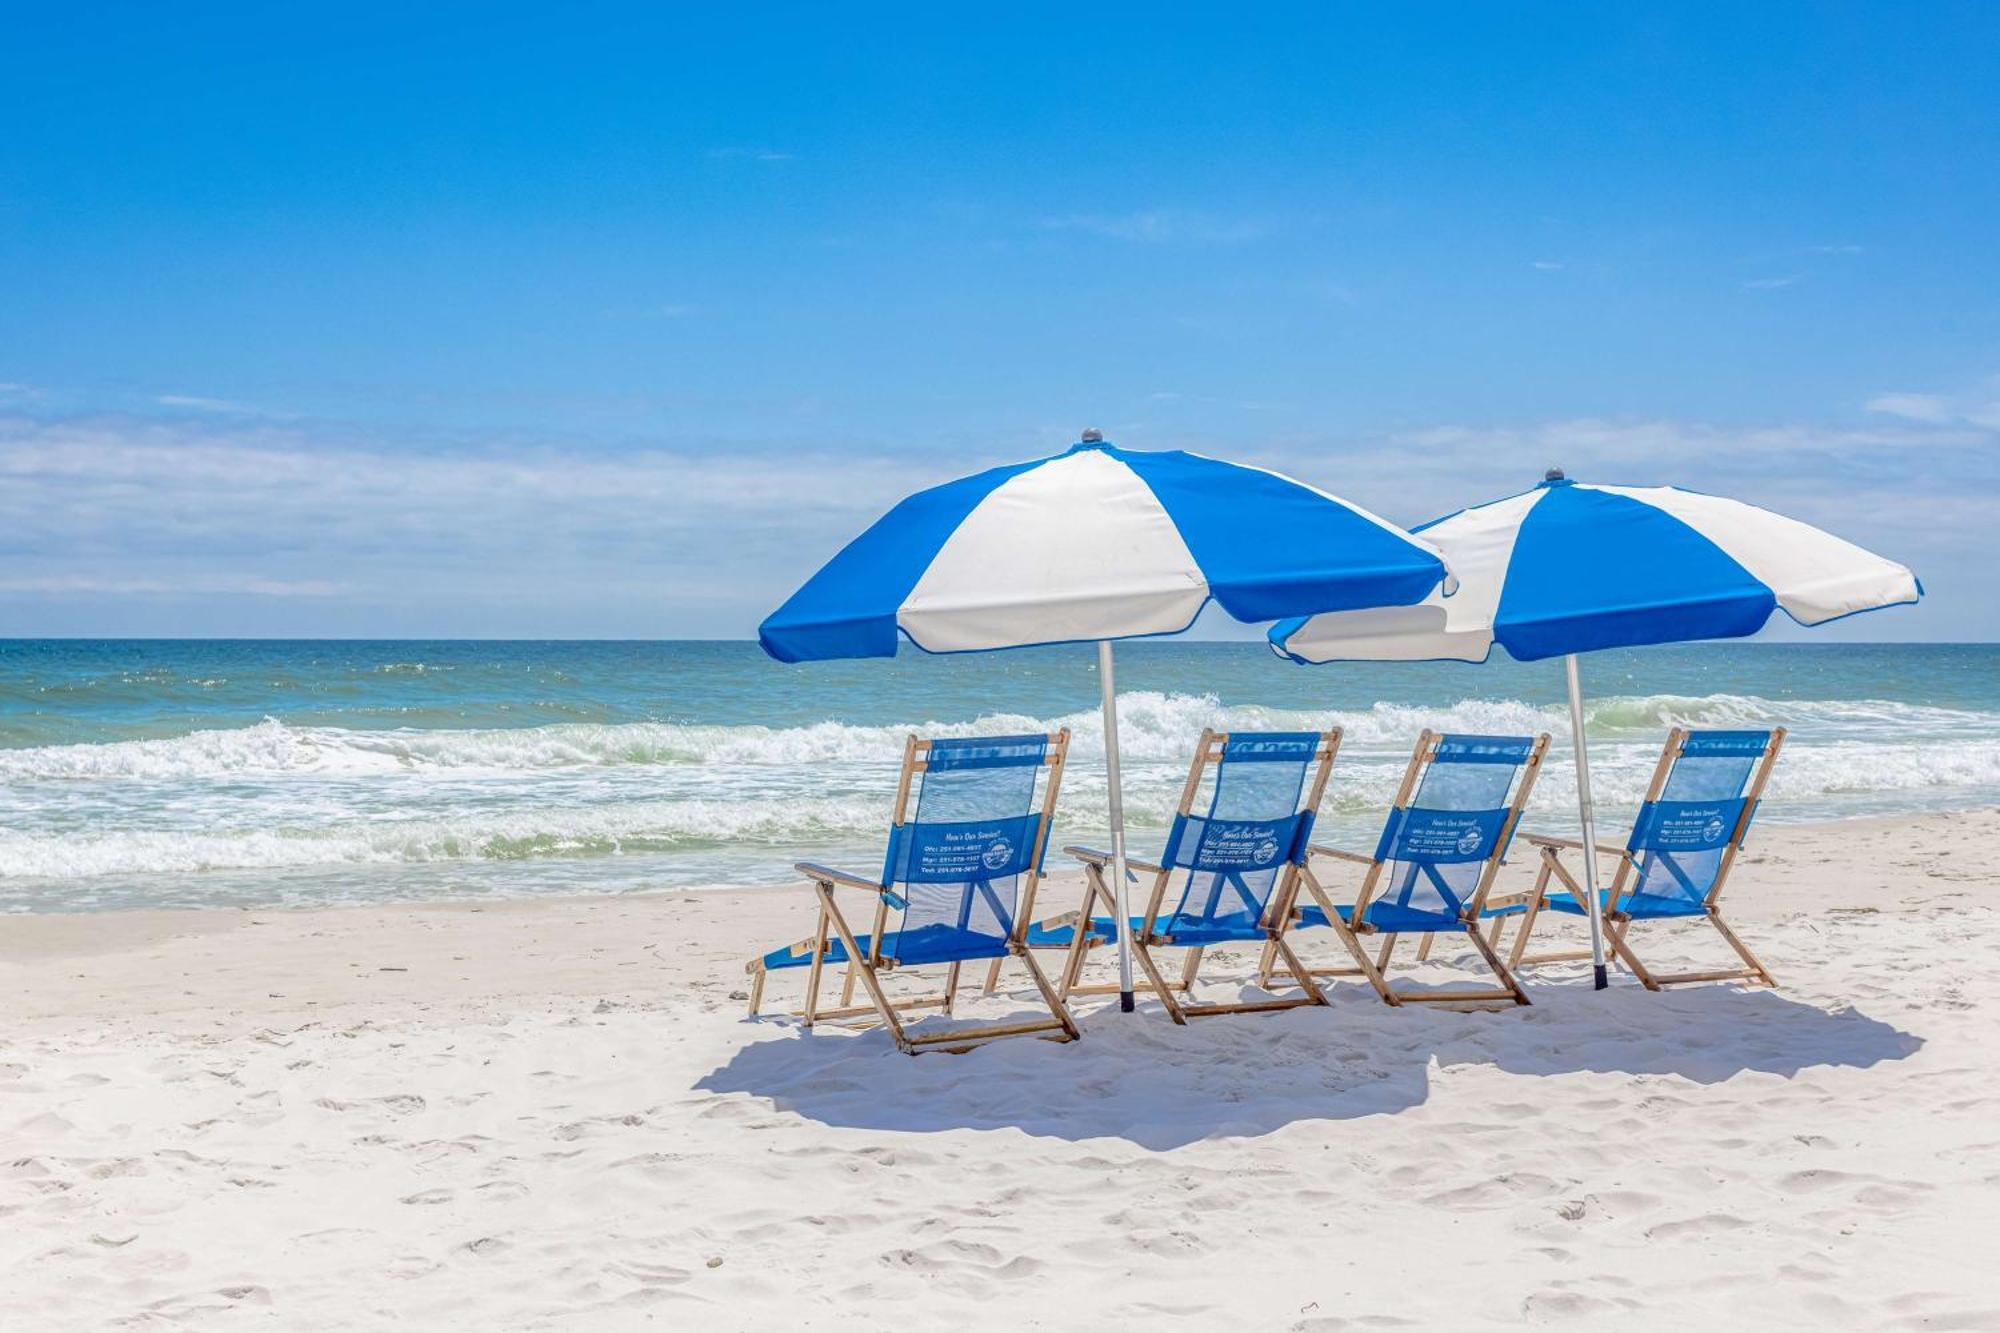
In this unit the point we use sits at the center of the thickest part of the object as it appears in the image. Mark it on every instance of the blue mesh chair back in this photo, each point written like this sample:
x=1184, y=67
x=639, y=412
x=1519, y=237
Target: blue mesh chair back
x=1435, y=850
x=973, y=834
x=1680, y=839
x=1255, y=827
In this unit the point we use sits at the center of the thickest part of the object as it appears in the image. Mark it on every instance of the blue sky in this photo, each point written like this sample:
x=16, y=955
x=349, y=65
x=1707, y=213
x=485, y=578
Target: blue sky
x=601, y=320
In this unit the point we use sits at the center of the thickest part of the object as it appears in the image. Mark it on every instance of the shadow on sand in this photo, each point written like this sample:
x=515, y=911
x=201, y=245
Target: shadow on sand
x=1141, y=1079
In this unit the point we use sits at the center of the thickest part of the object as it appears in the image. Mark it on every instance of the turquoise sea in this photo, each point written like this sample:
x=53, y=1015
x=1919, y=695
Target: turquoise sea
x=228, y=773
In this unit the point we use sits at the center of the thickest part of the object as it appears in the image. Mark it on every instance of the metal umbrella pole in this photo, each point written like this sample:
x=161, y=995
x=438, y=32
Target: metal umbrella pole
x=1108, y=686
x=1595, y=907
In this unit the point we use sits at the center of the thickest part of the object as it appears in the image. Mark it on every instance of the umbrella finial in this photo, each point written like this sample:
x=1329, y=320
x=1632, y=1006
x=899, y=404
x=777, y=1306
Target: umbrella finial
x=1092, y=435
x=1553, y=474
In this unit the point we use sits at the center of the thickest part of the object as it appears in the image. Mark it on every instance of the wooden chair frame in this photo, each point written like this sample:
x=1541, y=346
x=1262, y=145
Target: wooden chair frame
x=1617, y=923
x=870, y=968
x=1350, y=933
x=1178, y=998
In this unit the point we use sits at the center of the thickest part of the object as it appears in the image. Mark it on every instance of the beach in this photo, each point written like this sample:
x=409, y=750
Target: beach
x=508, y=516
x=552, y=1114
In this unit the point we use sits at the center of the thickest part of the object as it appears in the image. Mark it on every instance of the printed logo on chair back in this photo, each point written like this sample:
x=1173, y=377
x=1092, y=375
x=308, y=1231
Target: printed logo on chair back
x=1237, y=844
x=953, y=853
x=1440, y=836
x=1685, y=826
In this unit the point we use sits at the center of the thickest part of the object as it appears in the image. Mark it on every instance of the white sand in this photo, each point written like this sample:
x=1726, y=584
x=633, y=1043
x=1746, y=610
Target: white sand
x=552, y=1116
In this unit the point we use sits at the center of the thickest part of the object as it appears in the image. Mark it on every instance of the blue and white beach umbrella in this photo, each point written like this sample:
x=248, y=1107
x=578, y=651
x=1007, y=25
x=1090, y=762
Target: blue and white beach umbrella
x=1096, y=544
x=1567, y=568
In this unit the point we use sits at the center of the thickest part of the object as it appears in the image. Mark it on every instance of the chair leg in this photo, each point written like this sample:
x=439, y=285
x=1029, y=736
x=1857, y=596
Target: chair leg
x=1492, y=958
x=1145, y=957
x=992, y=978
x=1049, y=996
x=1189, y=969
x=1264, y=961
x=1742, y=949
x=818, y=967
x=859, y=964
x=757, y=989
x=1079, y=944
x=1527, y=926
x=950, y=988
x=1382, y=957
x=1298, y=969
x=1072, y=968
x=1368, y=969
x=1614, y=934
x=1424, y=946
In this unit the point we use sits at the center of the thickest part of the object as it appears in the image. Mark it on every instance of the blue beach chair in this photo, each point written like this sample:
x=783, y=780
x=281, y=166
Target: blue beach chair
x=1433, y=867
x=1698, y=808
x=965, y=857
x=1242, y=858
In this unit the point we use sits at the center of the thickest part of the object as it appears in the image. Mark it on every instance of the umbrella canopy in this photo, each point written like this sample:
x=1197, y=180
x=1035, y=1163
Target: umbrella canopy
x=1567, y=568
x=1095, y=543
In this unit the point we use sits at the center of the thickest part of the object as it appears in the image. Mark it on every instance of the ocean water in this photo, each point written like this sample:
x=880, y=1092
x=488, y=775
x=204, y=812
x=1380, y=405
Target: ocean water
x=231, y=773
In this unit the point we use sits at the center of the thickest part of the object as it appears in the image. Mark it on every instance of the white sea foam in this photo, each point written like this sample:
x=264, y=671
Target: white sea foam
x=277, y=795
x=469, y=835
x=1151, y=726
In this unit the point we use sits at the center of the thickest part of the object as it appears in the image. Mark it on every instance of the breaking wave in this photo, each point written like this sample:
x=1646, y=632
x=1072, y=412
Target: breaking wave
x=736, y=804
x=1152, y=726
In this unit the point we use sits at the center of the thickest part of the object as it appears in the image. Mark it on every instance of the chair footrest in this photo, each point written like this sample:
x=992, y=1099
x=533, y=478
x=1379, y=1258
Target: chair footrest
x=1561, y=956
x=983, y=1033
x=848, y=1011
x=1247, y=1006
x=1457, y=996
x=1113, y=988
x=1737, y=974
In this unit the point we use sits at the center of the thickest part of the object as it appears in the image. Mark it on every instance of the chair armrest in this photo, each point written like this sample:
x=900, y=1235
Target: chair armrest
x=1339, y=854
x=824, y=875
x=1093, y=856
x=1571, y=844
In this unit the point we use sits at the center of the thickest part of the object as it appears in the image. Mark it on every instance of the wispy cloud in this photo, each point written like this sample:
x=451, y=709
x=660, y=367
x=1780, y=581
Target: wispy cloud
x=1774, y=284
x=1546, y=265
x=1913, y=406
x=741, y=153
x=458, y=535
x=312, y=527
x=194, y=403
x=1916, y=492
x=1641, y=450
x=1833, y=249
x=1978, y=406
x=1161, y=226
x=206, y=585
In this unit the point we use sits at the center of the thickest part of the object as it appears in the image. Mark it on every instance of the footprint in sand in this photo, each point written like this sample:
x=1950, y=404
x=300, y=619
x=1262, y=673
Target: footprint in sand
x=964, y=1256
x=505, y=1191
x=1695, y=1228
x=1556, y=1304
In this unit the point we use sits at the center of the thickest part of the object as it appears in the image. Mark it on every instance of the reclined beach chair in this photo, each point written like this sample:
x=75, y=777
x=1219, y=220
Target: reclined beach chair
x=1434, y=864
x=1242, y=858
x=1698, y=807
x=965, y=857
